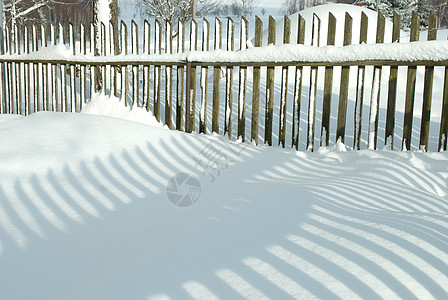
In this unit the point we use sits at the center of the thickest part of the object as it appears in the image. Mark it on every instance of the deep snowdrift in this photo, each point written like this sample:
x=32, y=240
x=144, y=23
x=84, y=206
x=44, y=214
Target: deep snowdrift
x=85, y=214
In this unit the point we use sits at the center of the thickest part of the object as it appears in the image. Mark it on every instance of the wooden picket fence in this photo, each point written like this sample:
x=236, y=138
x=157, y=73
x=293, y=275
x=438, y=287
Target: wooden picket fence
x=53, y=83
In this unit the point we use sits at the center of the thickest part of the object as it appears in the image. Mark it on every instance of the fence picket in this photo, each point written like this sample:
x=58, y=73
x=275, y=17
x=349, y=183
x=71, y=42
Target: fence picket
x=392, y=93
x=284, y=87
x=443, y=134
x=269, y=87
x=124, y=69
x=216, y=78
x=82, y=75
x=410, y=87
x=315, y=38
x=73, y=83
x=242, y=80
x=46, y=68
x=328, y=85
x=204, y=77
x=19, y=74
x=180, y=78
x=298, y=87
x=157, y=76
x=168, y=76
x=191, y=97
x=229, y=80
x=343, y=89
x=428, y=87
x=135, y=71
x=36, y=67
x=146, y=50
x=2, y=75
x=256, y=84
x=360, y=87
x=376, y=87
x=26, y=73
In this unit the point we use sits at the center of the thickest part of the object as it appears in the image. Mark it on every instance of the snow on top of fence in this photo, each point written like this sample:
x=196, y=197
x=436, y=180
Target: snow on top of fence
x=401, y=52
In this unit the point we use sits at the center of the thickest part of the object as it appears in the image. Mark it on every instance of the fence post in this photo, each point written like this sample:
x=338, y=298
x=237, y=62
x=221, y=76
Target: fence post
x=315, y=38
x=157, y=75
x=376, y=86
x=256, y=84
x=124, y=68
x=444, y=119
x=135, y=69
x=410, y=87
x=187, y=100
x=269, y=112
x=298, y=87
x=428, y=86
x=229, y=81
x=328, y=86
x=180, y=78
x=192, y=74
x=146, y=50
x=360, y=87
x=204, y=78
x=168, y=76
x=244, y=36
x=392, y=93
x=216, y=78
x=284, y=87
x=343, y=89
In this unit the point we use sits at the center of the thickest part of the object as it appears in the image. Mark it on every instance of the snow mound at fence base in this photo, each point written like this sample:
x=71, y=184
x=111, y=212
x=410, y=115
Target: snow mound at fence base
x=111, y=106
x=85, y=214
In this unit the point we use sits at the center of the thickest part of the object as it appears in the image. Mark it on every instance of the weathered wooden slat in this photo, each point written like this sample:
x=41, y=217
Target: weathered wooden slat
x=410, y=87
x=135, y=69
x=93, y=69
x=229, y=80
x=269, y=112
x=19, y=75
x=204, y=78
x=428, y=87
x=376, y=87
x=298, y=87
x=180, y=78
x=284, y=87
x=315, y=38
x=191, y=100
x=9, y=71
x=124, y=69
x=392, y=93
x=36, y=73
x=328, y=85
x=216, y=78
x=103, y=52
x=343, y=89
x=63, y=73
x=46, y=68
x=256, y=84
x=146, y=50
x=443, y=134
x=157, y=75
x=26, y=74
x=114, y=50
x=360, y=87
x=83, y=69
x=242, y=80
x=3, y=75
x=168, y=76
x=73, y=83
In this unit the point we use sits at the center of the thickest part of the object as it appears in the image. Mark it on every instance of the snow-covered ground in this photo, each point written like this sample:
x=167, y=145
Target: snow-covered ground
x=96, y=207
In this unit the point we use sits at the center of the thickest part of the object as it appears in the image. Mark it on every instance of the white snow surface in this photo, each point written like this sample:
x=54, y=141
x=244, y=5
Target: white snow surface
x=85, y=214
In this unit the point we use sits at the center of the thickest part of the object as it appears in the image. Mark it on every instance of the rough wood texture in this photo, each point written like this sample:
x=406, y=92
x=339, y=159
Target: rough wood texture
x=180, y=78
x=204, y=78
x=428, y=87
x=410, y=88
x=168, y=76
x=157, y=71
x=284, y=87
x=256, y=85
x=328, y=85
x=229, y=80
x=242, y=80
x=360, y=88
x=298, y=87
x=392, y=93
x=343, y=89
x=269, y=113
x=216, y=78
x=443, y=134
x=192, y=90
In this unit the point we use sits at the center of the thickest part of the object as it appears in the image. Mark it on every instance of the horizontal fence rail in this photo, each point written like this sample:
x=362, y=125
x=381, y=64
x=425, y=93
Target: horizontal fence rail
x=285, y=91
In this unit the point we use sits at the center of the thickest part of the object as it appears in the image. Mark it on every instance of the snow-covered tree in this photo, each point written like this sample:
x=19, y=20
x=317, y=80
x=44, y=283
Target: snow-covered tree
x=403, y=8
x=244, y=7
x=17, y=11
x=173, y=10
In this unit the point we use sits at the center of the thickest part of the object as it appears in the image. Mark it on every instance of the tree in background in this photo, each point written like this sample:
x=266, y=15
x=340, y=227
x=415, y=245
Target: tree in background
x=404, y=9
x=292, y=6
x=173, y=10
x=243, y=8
